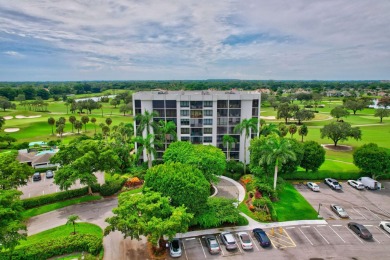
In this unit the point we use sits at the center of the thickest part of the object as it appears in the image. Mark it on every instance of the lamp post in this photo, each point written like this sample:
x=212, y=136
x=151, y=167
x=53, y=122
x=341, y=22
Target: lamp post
x=318, y=212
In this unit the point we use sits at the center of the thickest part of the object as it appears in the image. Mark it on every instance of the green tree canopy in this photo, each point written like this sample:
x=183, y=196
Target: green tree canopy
x=339, y=112
x=183, y=183
x=372, y=159
x=303, y=131
x=207, y=158
x=303, y=115
x=11, y=220
x=381, y=113
x=149, y=214
x=355, y=105
x=313, y=156
x=13, y=173
x=340, y=131
x=80, y=159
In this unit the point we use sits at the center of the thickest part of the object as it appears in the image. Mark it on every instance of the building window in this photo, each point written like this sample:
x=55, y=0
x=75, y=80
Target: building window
x=234, y=112
x=184, y=112
x=222, y=104
x=185, y=122
x=208, y=103
x=221, y=130
x=196, y=132
x=160, y=112
x=222, y=112
x=171, y=113
x=196, y=104
x=170, y=103
x=137, y=103
x=207, y=131
x=196, y=113
x=235, y=103
x=207, y=139
x=208, y=121
x=208, y=112
x=185, y=131
x=255, y=103
x=185, y=138
x=196, y=122
x=184, y=103
x=158, y=104
x=222, y=121
x=255, y=111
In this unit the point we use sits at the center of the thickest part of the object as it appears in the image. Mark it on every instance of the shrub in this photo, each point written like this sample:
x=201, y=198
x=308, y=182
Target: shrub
x=55, y=197
x=133, y=182
x=59, y=246
x=53, y=168
x=112, y=187
x=262, y=216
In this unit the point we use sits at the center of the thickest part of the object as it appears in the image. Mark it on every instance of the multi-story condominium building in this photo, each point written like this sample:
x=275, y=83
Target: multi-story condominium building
x=201, y=117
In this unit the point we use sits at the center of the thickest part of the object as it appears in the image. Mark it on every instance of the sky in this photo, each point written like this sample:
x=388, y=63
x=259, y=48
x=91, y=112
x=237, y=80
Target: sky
x=67, y=40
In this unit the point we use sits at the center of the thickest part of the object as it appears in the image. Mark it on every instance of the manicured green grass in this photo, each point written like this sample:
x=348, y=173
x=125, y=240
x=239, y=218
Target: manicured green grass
x=50, y=207
x=293, y=206
x=61, y=231
x=134, y=191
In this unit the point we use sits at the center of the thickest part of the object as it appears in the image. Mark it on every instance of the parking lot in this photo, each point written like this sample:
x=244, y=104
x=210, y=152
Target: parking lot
x=361, y=205
x=46, y=186
x=304, y=238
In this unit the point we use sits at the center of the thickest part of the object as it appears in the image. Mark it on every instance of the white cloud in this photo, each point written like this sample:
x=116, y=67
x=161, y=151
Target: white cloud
x=176, y=39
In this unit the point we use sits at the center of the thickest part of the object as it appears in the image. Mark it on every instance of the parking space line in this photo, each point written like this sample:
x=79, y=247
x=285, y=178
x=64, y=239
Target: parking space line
x=336, y=233
x=306, y=236
x=361, y=241
x=289, y=227
x=322, y=235
x=373, y=213
x=290, y=238
x=383, y=232
x=202, y=247
x=253, y=242
x=305, y=226
x=185, y=252
x=221, y=244
x=359, y=213
x=376, y=240
x=337, y=225
x=321, y=225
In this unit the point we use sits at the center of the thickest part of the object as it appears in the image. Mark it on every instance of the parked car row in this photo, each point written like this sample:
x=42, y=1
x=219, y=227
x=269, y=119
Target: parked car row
x=228, y=240
x=37, y=176
x=360, y=184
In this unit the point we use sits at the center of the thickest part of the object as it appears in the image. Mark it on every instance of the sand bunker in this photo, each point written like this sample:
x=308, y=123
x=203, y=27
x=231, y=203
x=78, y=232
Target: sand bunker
x=21, y=117
x=8, y=117
x=11, y=130
x=67, y=133
x=267, y=117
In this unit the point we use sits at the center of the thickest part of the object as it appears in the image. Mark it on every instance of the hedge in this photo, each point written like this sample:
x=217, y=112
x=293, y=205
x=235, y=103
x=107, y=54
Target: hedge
x=321, y=175
x=52, y=168
x=55, y=197
x=112, y=187
x=59, y=246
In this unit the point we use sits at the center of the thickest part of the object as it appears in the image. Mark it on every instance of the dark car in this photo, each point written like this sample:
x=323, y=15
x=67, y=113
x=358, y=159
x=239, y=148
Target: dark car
x=49, y=174
x=262, y=237
x=36, y=176
x=175, y=248
x=360, y=230
x=212, y=244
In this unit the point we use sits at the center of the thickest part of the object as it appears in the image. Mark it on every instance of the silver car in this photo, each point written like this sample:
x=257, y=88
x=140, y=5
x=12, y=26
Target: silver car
x=356, y=184
x=175, y=248
x=313, y=186
x=339, y=211
x=229, y=241
x=245, y=240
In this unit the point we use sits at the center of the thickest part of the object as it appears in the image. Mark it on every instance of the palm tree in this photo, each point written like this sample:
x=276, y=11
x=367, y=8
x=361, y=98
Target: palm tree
x=72, y=119
x=93, y=121
x=246, y=127
x=147, y=144
x=303, y=131
x=85, y=120
x=275, y=151
x=60, y=129
x=108, y=121
x=78, y=125
x=292, y=129
x=166, y=129
x=146, y=121
x=266, y=130
x=51, y=121
x=2, y=121
x=228, y=142
x=72, y=221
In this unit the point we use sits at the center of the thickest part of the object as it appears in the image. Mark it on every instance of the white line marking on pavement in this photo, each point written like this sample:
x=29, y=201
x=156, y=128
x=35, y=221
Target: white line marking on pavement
x=337, y=225
x=376, y=240
x=289, y=227
x=337, y=233
x=361, y=241
x=202, y=248
x=185, y=252
x=306, y=236
x=322, y=236
x=253, y=242
x=368, y=225
x=383, y=231
x=321, y=225
x=305, y=226
x=373, y=213
x=191, y=238
x=360, y=213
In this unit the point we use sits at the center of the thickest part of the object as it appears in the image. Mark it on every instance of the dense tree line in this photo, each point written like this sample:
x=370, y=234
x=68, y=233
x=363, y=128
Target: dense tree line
x=45, y=90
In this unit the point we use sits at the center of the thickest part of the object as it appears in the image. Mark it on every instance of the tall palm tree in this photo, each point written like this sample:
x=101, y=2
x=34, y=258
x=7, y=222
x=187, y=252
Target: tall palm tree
x=146, y=121
x=266, y=130
x=51, y=121
x=72, y=221
x=246, y=127
x=85, y=120
x=2, y=121
x=228, y=142
x=275, y=151
x=72, y=119
x=93, y=121
x=165, y=129
x=148, y=143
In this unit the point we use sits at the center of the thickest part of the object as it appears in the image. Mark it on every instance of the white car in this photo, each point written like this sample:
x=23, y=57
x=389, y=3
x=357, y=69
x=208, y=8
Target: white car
x=245, y=240
x=385, y=226
x=356, y=184
x=313, y=186
x=333, y=184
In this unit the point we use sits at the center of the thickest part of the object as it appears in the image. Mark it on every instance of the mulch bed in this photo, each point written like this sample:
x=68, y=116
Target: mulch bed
x=340, y=148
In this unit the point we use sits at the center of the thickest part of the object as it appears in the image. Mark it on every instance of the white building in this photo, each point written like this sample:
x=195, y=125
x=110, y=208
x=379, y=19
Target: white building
x=202, y=117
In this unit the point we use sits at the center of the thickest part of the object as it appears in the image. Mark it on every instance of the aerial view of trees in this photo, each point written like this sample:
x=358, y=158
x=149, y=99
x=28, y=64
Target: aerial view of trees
x=340, y=131
x=372, y=159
